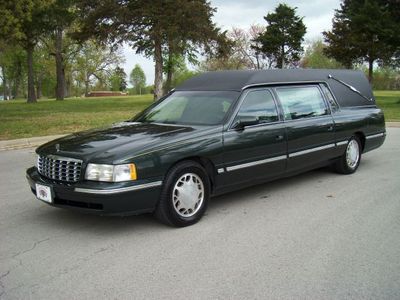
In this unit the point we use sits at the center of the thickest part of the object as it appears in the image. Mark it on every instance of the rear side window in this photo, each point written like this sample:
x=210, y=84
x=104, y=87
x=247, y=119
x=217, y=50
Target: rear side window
x=329, y=97
x=261, y=104
x=301, y=102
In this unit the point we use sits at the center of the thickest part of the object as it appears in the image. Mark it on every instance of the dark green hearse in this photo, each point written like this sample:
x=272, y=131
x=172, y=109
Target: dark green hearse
x=217, y=132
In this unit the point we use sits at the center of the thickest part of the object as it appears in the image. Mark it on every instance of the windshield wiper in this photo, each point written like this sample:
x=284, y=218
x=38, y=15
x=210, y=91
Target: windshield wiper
x=350, y=87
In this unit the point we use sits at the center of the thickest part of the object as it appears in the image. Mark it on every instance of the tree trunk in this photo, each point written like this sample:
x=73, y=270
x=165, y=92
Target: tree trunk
x=16, y=86
x=168, y=82
x=39, y=86
x=60, y=87
x=10, y=96
x=158, y=76
x=279, y=63
x=87, y=84
x=4, y=82
x=67, y=87
x=258, y=61
x=86, y=88
x=370, y=70
x=31, y=82
x=17, y=79
x=170, y=66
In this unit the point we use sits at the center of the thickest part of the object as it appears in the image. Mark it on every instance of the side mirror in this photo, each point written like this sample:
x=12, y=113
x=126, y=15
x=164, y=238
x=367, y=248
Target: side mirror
x=244, y=121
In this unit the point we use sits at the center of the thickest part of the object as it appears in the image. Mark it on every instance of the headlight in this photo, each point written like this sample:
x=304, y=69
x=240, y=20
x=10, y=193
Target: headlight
x=111, y=173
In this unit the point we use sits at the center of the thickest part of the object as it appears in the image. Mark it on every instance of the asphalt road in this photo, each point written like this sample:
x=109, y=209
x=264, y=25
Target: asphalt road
x=318, y=235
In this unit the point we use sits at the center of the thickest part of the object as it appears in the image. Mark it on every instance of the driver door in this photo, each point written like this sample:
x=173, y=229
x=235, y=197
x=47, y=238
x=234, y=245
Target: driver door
x=257, y=151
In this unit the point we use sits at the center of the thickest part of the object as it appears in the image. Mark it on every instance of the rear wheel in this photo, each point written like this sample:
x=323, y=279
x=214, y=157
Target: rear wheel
x=184, y=196
x=350, y=160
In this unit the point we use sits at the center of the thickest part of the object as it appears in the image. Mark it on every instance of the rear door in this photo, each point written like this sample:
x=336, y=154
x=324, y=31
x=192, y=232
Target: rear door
x=257, y=151
x=309, y=125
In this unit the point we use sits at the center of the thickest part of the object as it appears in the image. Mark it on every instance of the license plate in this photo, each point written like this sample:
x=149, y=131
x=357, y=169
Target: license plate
x=43, y=193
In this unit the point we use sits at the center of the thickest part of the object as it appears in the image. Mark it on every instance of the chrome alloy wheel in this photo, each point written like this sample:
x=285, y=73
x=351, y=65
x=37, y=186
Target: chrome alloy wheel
x=188, y=195
x=352, y=154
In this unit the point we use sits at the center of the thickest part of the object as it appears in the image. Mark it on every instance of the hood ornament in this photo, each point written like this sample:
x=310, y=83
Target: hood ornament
x=58, y=147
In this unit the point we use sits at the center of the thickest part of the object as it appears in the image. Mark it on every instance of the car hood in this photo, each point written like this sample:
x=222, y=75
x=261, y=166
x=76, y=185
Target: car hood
x=116, y=142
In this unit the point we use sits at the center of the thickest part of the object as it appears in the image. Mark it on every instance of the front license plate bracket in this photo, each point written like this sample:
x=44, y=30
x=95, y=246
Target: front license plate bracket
x=44, y=193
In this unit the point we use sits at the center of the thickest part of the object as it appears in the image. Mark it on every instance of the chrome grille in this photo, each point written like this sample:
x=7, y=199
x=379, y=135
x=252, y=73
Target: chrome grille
x=60, y=168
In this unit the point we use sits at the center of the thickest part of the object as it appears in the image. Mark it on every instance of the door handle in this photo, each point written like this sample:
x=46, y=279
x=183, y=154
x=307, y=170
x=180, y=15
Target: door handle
x=279, y=137
x=330, y=128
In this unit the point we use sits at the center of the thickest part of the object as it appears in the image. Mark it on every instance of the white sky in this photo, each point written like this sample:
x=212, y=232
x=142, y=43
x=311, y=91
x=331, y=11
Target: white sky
x=241, y=13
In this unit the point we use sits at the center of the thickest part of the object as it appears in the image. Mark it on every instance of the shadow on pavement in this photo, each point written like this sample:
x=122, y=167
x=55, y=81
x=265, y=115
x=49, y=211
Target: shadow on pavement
x=64, y=219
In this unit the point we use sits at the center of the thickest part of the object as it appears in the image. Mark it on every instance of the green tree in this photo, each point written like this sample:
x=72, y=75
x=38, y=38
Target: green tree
x=11, y=13
x=181, y=76
x=338, y=41
x=94, y=64
x=12, y=63
x=23, y=22
x=202, y=36
x=364, y=30
x=138, y=79
x=315, y=58
x=44, y=72
x=281, y=41
x=17, y=71
x=63, y=59
x=386, y=78
x=222, y=63
x=152, y=27
x=118, y=79
x=60, y=16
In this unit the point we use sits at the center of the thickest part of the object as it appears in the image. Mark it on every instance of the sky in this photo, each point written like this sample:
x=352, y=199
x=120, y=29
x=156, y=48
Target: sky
x=317, y=15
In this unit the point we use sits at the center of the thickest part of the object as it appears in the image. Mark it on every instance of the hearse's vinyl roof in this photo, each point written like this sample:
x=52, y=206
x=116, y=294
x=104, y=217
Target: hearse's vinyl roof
x=239, y=80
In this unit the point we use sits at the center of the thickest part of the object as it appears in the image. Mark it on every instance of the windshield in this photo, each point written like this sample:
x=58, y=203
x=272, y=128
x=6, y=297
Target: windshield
x=190, y=107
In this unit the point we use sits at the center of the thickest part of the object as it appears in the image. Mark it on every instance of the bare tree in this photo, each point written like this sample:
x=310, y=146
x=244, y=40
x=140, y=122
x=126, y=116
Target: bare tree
x=245, y=52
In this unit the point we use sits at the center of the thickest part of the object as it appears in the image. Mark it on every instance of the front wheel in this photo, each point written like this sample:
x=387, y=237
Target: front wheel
x=184, y=195
x=350, y=160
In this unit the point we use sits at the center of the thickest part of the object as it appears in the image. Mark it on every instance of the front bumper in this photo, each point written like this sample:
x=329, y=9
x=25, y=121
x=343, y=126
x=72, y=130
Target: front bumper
x=101, y=197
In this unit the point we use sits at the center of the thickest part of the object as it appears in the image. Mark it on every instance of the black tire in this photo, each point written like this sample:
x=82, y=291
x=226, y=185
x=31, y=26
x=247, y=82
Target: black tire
x=166, y=211
x=342, y=166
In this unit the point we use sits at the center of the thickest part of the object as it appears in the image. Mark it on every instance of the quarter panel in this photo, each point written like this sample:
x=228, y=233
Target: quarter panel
x=309, y=134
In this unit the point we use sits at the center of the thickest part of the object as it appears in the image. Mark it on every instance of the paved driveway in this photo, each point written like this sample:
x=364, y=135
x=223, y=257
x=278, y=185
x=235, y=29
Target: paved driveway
x=316, y=235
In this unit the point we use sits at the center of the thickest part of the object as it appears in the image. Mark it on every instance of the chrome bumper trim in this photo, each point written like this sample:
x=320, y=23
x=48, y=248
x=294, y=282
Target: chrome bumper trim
x=119, y=190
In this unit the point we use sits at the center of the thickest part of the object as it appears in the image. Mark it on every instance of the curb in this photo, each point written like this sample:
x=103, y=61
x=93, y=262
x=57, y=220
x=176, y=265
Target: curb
x=37, y=141
x=393, y=124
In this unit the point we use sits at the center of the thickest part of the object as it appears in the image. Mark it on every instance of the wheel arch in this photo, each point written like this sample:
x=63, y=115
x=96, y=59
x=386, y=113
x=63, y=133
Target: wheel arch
x=361, y=136
x=206, y=163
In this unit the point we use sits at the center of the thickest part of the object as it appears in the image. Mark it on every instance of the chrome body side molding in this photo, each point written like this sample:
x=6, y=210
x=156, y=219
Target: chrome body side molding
x=375, y=135
x=307, y=151
x=255, y=163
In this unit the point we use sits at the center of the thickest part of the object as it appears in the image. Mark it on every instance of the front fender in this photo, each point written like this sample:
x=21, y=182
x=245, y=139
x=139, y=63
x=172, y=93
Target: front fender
x=156, y=163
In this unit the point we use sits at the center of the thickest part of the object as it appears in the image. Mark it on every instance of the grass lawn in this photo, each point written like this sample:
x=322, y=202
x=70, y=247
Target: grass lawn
x=19, y=119
x=47, y=117
x=389, y=102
